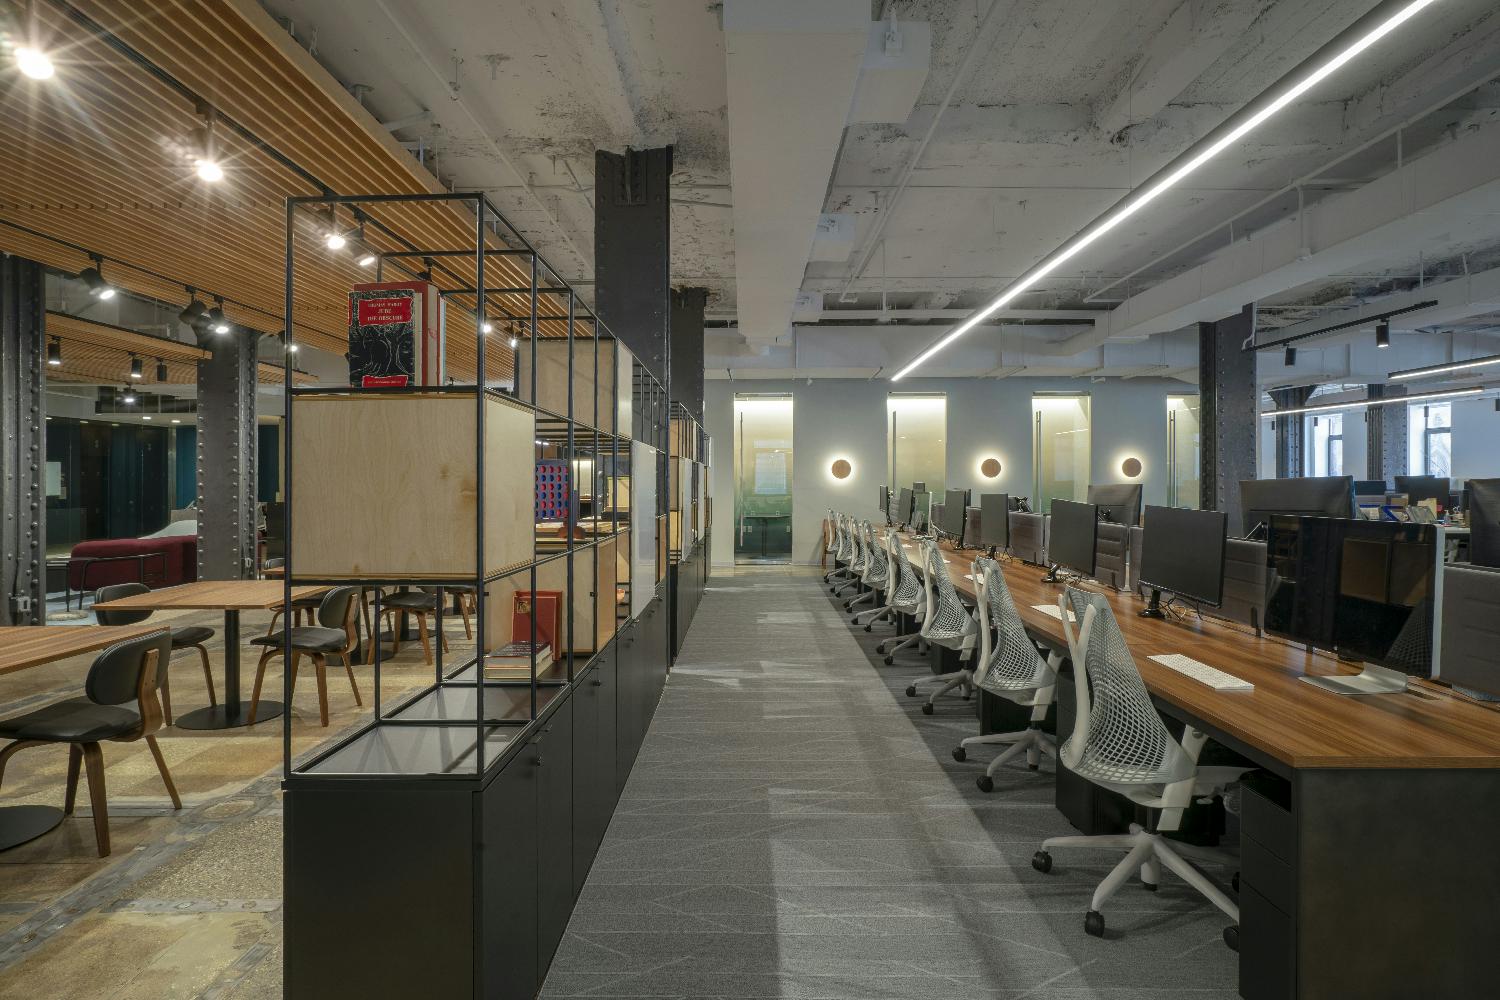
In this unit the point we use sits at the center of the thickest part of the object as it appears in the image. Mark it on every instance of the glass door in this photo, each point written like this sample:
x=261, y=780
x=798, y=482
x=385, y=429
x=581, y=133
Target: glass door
x=1060, y=453
x=762, y=478
x=1184, y=454
x=917, y=432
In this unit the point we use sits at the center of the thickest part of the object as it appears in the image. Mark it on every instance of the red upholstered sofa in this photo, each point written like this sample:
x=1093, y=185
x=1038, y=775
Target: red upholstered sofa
x=168, y=561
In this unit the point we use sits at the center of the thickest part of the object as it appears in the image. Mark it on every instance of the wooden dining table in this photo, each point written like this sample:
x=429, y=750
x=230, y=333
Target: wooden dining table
x=25, y=646
x=231, y=597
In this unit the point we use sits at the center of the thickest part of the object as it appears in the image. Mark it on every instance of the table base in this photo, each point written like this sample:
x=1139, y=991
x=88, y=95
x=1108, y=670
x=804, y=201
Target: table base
x=217, y=716
x=19, y=824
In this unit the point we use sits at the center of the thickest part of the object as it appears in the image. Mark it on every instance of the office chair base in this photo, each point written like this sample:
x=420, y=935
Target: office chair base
x=1032, y=742
x=1093, y=924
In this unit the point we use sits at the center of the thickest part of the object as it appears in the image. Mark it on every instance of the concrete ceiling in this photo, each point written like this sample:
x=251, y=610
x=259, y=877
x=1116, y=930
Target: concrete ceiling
x=1063, y=107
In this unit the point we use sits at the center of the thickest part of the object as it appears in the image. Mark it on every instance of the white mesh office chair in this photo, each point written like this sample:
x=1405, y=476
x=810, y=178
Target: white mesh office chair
x=1012, y=667
x=907, y=598
x=947, y=623
x=873, y=569
x=842, y=552
x=1119, y=742
x=857, y=558
x=877, y=578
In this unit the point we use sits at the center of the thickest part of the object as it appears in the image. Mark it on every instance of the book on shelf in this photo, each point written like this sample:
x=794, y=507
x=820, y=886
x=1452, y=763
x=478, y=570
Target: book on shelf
x=515, y=659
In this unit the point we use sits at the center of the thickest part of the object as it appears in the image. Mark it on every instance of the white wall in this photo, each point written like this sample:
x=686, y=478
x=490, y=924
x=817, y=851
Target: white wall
x=842, y=418
x=1476, y=439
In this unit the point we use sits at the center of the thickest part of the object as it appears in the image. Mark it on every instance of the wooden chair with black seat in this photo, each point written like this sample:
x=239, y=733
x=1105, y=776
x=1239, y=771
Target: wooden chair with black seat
x=420, y=602
x=334, y=634
x=186, y=637
x=119, y=705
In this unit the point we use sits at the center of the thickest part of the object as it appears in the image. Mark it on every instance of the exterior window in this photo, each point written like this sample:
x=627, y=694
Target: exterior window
x=1326, y=456
x=1432, y=439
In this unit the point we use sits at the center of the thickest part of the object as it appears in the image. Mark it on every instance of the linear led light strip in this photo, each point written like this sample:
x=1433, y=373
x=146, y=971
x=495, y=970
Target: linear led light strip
x=1124, y=211
x=1359, y=404
x=1455, y=366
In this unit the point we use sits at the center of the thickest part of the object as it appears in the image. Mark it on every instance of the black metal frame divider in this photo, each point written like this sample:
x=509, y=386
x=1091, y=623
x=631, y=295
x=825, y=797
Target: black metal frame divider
x=688, y=554
x=427, y=830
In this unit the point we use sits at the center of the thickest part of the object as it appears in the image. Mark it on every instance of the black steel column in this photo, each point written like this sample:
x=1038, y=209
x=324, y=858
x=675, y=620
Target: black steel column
x=1227, y=411
x=1290, y=431
x=1385, y=435
x=633, y=251
x=687, y=348
x=226, y=458
x=23, y=443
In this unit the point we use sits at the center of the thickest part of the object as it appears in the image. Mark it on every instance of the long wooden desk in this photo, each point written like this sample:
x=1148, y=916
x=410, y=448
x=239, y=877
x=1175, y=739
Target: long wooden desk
x=1370, y=869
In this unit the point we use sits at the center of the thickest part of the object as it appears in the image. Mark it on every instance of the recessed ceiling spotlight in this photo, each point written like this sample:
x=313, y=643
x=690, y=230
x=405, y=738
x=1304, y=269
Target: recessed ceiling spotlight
x=34, y=62
x=176, y=421
x=145, y=416
x=368, y=260
x=54, y=352
x=137, y=367
x=1172, y=175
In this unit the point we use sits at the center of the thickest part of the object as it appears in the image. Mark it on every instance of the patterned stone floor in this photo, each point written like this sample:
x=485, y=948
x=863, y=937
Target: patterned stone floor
x=794, y=827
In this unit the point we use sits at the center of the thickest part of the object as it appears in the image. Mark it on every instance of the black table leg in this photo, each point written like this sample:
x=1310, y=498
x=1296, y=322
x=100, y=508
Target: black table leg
x=19, y=824
x=232, y=712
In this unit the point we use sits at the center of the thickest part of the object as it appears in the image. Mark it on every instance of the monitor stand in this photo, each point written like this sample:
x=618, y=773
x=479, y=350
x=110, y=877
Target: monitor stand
x=1052, y=576
x=1372, y=680
x=1153, y=608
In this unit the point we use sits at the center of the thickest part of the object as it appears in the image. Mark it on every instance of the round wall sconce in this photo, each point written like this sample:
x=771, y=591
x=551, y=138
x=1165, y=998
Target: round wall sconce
x=989, y=468
x=841, y=468
x=1131, y=467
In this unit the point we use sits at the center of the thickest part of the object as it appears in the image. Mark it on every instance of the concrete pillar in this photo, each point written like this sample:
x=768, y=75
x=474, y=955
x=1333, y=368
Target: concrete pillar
x=1227, y=404
x=687, y=348
x=226, y=458
x=633, y=251
x=23, y=444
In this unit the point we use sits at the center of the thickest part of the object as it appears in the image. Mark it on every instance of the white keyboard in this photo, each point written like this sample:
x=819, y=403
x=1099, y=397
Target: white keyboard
x=1054, y=611
x=1202, y=672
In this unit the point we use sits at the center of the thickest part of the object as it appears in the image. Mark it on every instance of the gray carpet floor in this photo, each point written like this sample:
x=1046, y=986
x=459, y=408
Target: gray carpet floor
x=794, y=827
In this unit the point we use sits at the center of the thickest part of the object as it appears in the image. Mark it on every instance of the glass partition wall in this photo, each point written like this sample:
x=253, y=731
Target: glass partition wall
x=1184, y=457
x=762, y=478
x=1060, y=452
x=916, y=444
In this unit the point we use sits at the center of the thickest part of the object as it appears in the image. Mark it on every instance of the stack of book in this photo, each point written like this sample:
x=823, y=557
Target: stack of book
x=513, y=661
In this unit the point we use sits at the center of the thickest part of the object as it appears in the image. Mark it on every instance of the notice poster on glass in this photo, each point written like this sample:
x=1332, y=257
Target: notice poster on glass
x=770, y=473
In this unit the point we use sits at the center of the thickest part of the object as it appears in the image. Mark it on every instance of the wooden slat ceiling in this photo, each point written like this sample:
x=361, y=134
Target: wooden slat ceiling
x=97, y=353
x=99, y=157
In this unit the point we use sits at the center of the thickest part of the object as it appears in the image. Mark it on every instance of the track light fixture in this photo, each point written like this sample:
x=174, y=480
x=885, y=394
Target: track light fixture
x=1382, y=335
x=368, y=260
x=513, y=342
x=31, y=59
x=206, y=157
x=54, y=352
x=161, y=370
x=137, y=367
x=216, y=320
x=1290, y=358
x=129, y=397
x=487, y=326
x=93, y=279
x=193, y=312
x=1174, y=174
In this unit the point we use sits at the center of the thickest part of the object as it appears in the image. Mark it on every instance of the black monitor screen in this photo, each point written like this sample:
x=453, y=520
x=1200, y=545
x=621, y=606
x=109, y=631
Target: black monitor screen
x=1363, y=589
x=1183, y=552
x=1070, y=540
x=1484, y=522
x=1329, y=496
x=1369, y=487
x=904, y=506
x=1419, y=488
x=971, y=526
x=885, y=501
x=954, y=502
x=994, y=520
x=1117, y=502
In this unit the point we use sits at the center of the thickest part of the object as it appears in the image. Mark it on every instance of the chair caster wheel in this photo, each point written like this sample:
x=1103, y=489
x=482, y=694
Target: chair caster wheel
x=1234, y=883
x=1232, y=937
x=926, y=708
x=1093, y=924
x=911, y=692
x=1042, y=862
x=890, y=660
x=987, y=784
x=1150, y=886
x=880, y=648
x=960, y=754
x=868, y=628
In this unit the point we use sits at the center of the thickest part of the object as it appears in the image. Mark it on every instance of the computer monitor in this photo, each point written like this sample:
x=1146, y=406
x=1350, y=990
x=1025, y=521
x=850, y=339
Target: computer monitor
x=1117, y=502
x=955, y=502
x=1484, y=522
x=904, y=506
x=1370, y=488
x=1330, y=496
x=1419, y=488
x=1071, y=539
x=971, y=527
x=919, y=487
x=1182, y=553
x=885, y=501
x=994, y=520
x=936, y=514
x=1366, y=590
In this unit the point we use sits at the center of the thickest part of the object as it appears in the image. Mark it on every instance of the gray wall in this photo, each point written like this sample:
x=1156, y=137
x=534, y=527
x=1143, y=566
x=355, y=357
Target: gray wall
x=840, y=418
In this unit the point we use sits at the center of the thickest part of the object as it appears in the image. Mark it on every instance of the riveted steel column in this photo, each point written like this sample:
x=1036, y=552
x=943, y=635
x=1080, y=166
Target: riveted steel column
x=633, y=251
x=226, y=459
x=1385, y=435
x=687, y=348
x=1227, y=411
x=23, y=444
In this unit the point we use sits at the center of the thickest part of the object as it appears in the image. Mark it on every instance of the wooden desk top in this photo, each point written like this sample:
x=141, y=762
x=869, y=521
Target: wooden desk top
x=212, y=595
x=23, y=646
x=1293, y=722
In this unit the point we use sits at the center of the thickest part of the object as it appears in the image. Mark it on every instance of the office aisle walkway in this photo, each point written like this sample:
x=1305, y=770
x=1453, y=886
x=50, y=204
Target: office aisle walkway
x=795, y=828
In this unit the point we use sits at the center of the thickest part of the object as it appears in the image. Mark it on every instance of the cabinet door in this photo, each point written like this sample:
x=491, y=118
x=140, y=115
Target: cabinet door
x=627, y=693
x=609, y=690
x=589, y=779
x=508, y=865
x=554, y=821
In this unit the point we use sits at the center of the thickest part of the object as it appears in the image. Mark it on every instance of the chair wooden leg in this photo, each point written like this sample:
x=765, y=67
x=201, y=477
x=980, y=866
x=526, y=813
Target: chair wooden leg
x=426, y=640
x=166, y=694
x=260, y=676
x=364, y=610
x=275, y=615
x=442, y=635
x=166, y=776
x=395, y=629
x=349, y=669
x=463, y=609
x=322, y=667
x=93, y=762
x=11, y=750
x=208, y=674
x=75, y=764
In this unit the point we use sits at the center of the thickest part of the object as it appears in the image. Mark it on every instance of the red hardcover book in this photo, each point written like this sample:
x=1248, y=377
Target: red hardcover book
x=548, y=617
x=395, y=334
